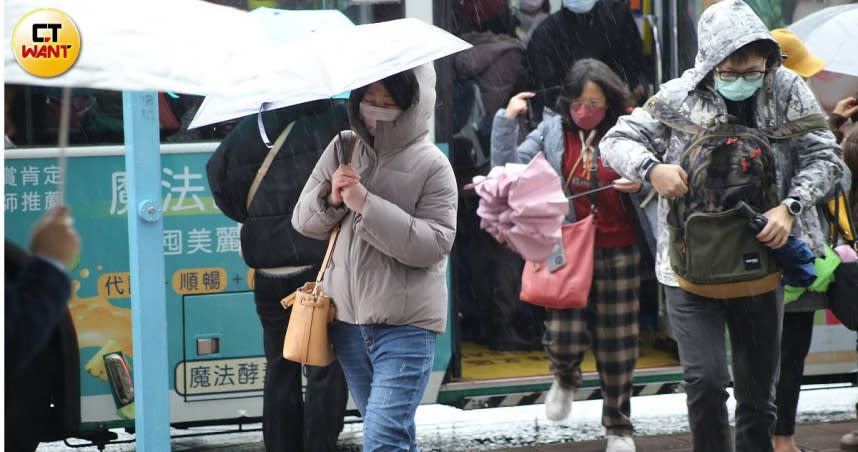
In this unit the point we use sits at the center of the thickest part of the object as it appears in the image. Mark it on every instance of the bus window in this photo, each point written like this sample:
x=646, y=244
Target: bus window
x=33, y=114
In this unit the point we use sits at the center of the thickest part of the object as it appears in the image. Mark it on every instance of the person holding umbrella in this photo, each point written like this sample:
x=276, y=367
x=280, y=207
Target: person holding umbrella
x=593, y=98
x=395, y=196
x=42, y=385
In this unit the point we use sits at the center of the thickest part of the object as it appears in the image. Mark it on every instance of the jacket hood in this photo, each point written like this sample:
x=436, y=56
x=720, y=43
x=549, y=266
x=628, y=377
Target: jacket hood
x=411, y=125
x=724, y=28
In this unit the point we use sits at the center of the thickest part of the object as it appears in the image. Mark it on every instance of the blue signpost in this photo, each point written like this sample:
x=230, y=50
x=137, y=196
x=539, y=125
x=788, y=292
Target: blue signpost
x=148, y=300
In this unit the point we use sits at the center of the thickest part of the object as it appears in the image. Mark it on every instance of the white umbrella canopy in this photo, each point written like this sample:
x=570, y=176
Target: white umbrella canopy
x=185, y=46
x=831, y=34
x=282, y=26
x=330, y=62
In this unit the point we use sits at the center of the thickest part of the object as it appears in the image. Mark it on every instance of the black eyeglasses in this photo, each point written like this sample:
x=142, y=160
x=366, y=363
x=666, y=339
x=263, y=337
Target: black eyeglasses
x=731, y=76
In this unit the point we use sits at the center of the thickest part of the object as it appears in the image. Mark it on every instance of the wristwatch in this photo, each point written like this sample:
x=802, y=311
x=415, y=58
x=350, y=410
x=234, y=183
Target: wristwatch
x=793, y=206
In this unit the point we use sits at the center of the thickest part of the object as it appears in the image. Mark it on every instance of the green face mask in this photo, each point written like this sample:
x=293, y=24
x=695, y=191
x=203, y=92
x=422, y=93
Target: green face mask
x=739, y=89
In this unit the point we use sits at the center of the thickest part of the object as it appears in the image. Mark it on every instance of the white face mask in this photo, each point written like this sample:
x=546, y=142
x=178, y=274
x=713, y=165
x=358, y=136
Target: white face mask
x=579, y=6
x=530, y=6
x=371, y=115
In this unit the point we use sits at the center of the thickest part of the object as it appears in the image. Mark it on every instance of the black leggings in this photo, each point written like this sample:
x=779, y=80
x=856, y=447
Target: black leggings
x=795, y=343
x=289, y=423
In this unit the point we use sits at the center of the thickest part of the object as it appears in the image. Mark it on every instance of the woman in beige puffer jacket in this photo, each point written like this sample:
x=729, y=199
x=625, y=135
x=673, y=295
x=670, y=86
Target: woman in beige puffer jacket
x=396, y=201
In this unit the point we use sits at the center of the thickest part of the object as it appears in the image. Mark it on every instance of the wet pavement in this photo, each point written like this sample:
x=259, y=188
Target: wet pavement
x=810, y=437
x=825, y=414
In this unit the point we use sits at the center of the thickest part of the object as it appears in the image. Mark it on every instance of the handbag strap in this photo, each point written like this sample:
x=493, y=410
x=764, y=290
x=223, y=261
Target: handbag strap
x=266, y=164
x=336, y=232
x=327, y=260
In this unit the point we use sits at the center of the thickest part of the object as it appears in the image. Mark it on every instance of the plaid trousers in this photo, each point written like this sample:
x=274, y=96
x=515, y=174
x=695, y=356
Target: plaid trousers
x=610, y=324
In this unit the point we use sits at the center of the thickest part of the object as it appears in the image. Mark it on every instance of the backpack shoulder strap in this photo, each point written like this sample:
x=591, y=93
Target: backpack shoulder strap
x=800, y=126
x=671, y=117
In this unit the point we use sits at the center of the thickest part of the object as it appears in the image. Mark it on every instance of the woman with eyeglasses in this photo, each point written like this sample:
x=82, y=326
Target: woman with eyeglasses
x=593, y=98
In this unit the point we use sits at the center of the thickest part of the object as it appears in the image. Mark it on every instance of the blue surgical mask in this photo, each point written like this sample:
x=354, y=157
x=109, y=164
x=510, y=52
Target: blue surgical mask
x=579, y=6
x=739, y=89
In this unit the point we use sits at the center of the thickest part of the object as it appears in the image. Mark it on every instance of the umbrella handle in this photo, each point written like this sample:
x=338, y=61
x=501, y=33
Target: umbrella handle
x=63, y=143
x=590, y=192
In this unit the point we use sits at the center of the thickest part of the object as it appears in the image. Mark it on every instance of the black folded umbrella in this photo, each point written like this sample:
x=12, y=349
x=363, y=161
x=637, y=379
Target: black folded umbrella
x=796, y=258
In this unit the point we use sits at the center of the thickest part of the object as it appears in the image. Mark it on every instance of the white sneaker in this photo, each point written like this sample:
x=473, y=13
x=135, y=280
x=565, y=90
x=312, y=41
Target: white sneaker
x=620, y=444
x=558, y=402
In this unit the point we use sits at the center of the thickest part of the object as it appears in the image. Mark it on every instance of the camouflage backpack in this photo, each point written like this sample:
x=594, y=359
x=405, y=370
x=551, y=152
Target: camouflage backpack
x=713, y=251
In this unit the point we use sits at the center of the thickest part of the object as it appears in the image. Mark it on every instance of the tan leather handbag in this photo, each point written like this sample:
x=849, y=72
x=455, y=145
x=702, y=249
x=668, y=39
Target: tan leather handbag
x=307, y=340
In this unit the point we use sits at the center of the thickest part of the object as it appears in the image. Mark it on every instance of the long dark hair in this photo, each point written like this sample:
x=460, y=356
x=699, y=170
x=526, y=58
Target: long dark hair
x=617, y=95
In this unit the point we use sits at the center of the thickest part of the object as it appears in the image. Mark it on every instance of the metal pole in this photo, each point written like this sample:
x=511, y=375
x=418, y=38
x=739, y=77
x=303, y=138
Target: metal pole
x=652, y=21
x=674, y=40
x=423, y=10
x=148, y=298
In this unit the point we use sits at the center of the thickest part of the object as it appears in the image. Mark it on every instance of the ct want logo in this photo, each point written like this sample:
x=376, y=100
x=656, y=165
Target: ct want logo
x=46, y=43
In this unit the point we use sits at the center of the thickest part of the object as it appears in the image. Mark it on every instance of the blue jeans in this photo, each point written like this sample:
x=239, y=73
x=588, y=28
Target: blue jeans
x=387, y=369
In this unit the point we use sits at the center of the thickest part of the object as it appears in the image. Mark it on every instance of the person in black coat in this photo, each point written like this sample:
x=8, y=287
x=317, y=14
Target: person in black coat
x=42, y=385
x=607, y=33
x=37, y=289
x=284, y=260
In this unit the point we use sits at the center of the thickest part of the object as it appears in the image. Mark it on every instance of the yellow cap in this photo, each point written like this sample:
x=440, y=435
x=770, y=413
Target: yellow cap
x=799, y=59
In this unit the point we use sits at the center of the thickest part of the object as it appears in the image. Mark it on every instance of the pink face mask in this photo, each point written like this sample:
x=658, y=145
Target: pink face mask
x=371, y=115
x=587, y=117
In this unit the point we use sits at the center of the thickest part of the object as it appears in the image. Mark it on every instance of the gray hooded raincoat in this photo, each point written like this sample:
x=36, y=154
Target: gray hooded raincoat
x=807, y=166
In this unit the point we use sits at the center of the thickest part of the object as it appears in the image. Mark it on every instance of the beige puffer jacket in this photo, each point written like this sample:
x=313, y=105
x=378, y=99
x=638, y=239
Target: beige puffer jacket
x=389, y=264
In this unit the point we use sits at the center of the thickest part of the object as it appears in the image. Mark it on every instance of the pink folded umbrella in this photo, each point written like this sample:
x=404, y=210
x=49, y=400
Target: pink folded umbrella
x=523, y=206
